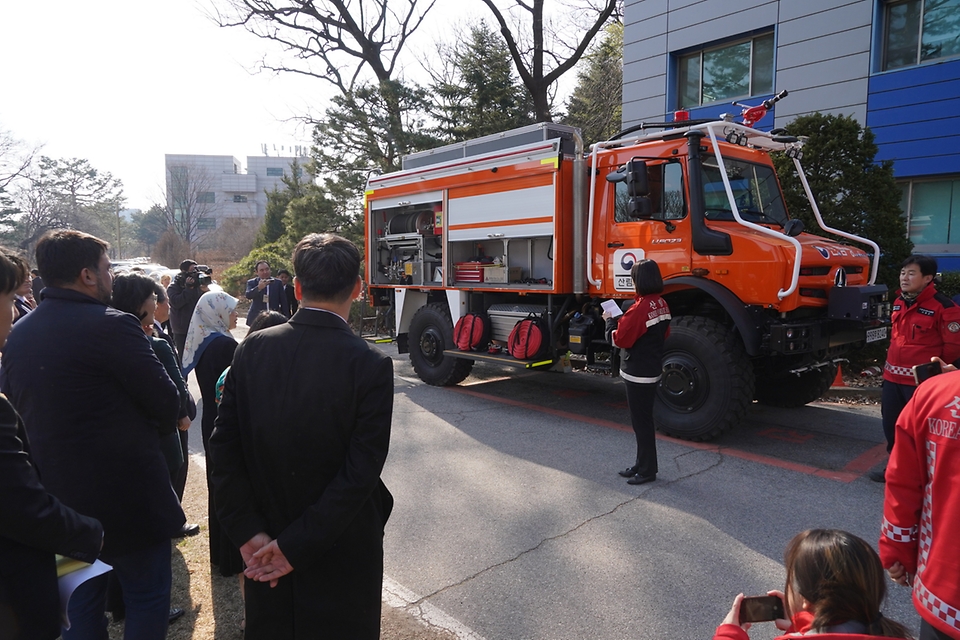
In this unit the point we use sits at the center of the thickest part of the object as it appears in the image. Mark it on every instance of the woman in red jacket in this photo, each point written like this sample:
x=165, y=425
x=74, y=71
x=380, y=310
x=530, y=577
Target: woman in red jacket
x=640, y=335
x=835, y=586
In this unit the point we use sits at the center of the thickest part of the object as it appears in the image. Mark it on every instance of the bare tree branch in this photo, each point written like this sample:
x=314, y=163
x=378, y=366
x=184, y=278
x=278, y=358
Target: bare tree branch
x=15, y=158
x=330, y=33
x=545, y=40
x=191, y=193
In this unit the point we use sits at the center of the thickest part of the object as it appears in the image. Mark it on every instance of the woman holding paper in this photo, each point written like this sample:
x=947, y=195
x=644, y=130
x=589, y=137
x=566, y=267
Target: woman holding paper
x=640, y=333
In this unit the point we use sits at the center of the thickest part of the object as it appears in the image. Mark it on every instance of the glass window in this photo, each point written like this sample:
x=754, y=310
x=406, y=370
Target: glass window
x=666, y=193
x=274, y=172
x=934, y=207
x=916, y=31
x=723, y=73
x=207, y=223
x=207, y=197
x=756, y=192
x=239, y=198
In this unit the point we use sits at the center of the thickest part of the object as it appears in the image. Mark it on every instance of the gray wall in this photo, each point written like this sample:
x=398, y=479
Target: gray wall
x=822, y=50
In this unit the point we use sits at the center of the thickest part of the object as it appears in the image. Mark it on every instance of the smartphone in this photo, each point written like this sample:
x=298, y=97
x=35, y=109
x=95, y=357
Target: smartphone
x=761, y=609
x=922, y=372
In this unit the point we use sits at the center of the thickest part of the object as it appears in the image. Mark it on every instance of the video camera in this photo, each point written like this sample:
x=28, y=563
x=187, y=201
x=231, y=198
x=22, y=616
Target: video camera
x=197, y=278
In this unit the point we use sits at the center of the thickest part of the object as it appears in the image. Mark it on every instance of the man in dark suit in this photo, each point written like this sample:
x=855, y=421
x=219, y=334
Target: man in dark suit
x=36, y=285
x=94, y=395
x=292, y=303
x=265, y=293
x=34, y=525
x=297, y=474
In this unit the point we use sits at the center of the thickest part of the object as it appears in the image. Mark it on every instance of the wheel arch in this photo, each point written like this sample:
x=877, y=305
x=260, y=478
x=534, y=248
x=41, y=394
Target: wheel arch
x=688, y=295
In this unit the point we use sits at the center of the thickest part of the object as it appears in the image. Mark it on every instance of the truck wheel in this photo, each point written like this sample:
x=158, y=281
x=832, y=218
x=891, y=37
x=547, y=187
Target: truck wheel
x=431, y=331
x=790, y=390
x=707, y=381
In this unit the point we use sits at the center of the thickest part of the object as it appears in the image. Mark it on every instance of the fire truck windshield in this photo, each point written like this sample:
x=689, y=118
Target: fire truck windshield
x=756, y=192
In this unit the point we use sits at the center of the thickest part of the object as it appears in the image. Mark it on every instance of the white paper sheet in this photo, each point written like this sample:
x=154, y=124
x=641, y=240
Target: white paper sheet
x=69, y=583
x=612, y=307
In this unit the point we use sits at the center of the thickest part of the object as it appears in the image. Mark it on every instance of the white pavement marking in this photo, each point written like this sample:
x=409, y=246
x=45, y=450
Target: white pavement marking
x=399, y=597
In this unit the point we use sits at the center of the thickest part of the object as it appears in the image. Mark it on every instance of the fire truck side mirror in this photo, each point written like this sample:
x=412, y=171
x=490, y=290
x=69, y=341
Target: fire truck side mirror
x=793, y=227
x=640, y=208
x=637, y=179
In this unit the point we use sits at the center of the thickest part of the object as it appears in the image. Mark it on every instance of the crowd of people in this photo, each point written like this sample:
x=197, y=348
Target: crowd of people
x=93, y=451
x=97, y=466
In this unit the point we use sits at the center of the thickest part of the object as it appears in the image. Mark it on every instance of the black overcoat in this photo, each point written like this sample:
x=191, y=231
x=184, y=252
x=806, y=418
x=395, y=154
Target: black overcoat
x=34, y=525
x=301, y=438
x=93, y=396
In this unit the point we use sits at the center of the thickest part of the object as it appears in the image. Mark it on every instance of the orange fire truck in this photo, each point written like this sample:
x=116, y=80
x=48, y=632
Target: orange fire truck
x=530, y=223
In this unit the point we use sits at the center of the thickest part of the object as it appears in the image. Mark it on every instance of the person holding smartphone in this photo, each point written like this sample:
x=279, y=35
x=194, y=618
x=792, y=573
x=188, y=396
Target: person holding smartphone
x=834, y=591
x=926, y=326
x=265, y=293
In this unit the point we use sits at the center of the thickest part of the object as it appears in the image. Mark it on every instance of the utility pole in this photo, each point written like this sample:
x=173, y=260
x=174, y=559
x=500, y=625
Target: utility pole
x=119, y=246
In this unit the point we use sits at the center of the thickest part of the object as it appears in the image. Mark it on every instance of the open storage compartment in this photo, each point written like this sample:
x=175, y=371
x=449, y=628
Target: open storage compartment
x=407, y=240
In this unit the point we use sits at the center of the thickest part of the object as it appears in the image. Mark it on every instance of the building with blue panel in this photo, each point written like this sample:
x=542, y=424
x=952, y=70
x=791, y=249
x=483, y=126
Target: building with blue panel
x=894, y=65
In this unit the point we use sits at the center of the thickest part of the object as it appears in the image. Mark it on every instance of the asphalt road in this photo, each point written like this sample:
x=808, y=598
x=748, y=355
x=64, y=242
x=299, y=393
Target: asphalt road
x=511, y=521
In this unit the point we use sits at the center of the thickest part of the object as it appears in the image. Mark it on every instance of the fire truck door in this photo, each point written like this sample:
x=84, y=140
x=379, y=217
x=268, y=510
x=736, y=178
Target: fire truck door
x=665, y=238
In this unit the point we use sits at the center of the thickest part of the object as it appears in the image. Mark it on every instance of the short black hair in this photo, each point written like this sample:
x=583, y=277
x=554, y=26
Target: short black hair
x=34, y=272
x=927, y=264
x=646, y=277
x=265, y=320
x=13, y=271
x=327, y=267
x=130, y=291
x=282, y=271
x=63, y=253
x=260, y=262
x=161, y=292
x=186, y=264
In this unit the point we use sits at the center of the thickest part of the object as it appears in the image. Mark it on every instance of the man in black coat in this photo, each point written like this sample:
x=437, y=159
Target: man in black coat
x=265, y=293
x=34, y=525
x=184, y=292
x=297, y=474
x=93, y=396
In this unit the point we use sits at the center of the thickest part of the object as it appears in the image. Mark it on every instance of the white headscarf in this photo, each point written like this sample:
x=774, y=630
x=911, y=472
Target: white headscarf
x=211, y=317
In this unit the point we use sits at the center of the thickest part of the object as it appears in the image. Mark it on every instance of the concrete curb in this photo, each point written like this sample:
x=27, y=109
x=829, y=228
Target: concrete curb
x=847, y=392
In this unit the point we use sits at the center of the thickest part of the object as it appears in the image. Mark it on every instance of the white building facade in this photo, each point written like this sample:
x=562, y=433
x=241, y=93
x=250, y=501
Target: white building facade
x=221, y=188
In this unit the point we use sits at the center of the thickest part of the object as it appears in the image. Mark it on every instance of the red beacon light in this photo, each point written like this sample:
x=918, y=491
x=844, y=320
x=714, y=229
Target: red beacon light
x=681, y=115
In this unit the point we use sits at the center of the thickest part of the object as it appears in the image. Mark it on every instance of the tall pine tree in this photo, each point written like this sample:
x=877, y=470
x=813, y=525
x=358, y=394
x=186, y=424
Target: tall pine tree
x=596, y=106
x=480, y=94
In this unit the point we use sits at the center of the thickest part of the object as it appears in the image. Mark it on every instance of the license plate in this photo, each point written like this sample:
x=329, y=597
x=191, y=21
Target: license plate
x=876, y=334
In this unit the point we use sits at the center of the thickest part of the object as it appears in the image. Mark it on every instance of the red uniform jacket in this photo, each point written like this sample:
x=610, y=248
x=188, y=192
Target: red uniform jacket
x=640, y=333
x=921, y=507
x=929, y=327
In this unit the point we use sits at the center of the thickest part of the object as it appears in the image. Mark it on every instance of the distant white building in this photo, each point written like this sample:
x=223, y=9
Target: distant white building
x=220, y=186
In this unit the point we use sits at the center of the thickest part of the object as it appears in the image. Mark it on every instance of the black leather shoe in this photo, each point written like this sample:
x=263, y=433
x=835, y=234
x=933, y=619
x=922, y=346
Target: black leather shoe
x=188, y=530
x=878, y=476
x=628, y=472
x=639, y=479
x=175, y=613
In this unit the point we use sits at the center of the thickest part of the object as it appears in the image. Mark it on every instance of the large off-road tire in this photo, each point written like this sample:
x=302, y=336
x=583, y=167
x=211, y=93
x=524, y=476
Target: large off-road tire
x=431, y=331
x=792, y=390
x=707, y=380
